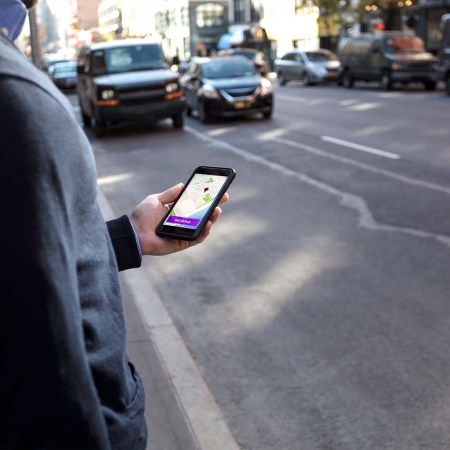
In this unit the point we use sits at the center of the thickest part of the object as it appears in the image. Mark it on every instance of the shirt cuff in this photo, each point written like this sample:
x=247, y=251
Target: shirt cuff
x=137, y=239
x=125, y=242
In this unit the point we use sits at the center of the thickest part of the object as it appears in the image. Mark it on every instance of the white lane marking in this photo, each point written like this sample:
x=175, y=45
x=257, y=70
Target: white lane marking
x=366, y=219
x=363, y=148
x=367, y=167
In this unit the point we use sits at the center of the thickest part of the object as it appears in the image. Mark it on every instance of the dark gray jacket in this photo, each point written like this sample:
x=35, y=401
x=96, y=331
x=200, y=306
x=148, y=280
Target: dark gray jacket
x=65, y=380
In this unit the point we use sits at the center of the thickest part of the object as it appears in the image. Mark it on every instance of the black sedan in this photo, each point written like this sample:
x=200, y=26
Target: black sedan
x=64, y=74
x=226, y=87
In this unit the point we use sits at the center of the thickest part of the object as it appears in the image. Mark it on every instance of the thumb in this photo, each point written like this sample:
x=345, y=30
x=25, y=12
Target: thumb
x=171, y=194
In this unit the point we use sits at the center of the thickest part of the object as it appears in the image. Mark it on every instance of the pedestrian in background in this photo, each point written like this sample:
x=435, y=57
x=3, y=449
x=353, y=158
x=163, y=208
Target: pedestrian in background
x=65, y=379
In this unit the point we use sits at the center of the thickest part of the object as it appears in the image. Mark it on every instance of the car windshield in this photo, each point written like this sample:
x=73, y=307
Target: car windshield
x=247, y=54
x=228, y=68
x=69, y=67
x=405, y=44
x=321, y=56
x=128, y=59
x=51, y=63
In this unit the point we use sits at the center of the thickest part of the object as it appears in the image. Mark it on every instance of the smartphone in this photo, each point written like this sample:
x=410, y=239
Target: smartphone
x=191, y=210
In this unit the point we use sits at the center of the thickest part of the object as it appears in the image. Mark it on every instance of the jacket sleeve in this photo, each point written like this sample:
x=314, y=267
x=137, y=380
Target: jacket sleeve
x=47, y=394
x=125, y=243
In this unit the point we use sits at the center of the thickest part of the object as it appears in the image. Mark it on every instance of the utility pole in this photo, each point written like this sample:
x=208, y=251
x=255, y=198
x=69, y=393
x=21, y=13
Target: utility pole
x=36, y=53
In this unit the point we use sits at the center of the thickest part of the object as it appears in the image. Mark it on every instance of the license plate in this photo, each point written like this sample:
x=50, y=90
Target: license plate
x=240, y=105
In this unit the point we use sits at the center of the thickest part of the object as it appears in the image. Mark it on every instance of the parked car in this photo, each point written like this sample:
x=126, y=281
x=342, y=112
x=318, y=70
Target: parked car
x=226, y=86
x=255, y=56
x=64, y=74
x=388, y=58
x=51, y=59
x=443, y=62
x=183, y=66
x=127, y=80
x=311, y=67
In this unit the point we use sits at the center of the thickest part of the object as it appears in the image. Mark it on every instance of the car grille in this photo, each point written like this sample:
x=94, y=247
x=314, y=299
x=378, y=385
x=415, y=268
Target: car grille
x=235, y=93
x=418, y=67
x=142, y=95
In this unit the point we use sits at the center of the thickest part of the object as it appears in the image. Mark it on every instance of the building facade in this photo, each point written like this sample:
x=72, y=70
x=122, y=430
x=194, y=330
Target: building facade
x=86, y=13
x=172, y=25
x=187, y=28
x=192, y=27
x=128, y=18
x=289, y=24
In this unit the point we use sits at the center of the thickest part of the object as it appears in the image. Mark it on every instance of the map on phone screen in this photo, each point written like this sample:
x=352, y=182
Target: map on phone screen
x=195, y=201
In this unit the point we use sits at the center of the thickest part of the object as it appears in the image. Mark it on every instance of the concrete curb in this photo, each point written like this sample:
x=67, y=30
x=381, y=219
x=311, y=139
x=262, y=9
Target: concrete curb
x=198, y=407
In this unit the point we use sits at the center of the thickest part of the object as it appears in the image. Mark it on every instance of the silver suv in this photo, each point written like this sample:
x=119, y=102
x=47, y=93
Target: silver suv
x=311, y=67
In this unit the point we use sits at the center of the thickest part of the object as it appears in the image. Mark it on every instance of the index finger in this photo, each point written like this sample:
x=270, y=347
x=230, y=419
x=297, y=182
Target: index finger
x=224, y=198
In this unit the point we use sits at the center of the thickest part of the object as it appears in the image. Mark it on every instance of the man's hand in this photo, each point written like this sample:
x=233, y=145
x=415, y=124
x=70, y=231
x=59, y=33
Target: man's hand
x=147, y=215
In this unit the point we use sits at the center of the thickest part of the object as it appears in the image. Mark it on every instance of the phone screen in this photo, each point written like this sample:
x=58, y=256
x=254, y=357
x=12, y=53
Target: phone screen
x=198, y=196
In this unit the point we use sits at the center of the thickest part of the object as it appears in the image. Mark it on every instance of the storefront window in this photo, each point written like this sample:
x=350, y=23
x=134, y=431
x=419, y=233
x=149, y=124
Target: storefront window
x=210, y=15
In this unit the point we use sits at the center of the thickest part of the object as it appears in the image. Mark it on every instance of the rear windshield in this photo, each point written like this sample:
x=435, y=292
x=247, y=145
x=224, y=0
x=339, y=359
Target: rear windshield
x=405, y=44
x=66, y=67
x=228, y=68
x=127, y=59
x=321, y=56
x=250, y=55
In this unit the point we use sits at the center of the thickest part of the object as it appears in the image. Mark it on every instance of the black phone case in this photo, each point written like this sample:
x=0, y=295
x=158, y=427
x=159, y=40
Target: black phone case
x=176, y=232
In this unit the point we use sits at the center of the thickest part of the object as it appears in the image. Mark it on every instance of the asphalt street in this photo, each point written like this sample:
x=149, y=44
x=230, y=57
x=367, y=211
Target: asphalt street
x=317, y=312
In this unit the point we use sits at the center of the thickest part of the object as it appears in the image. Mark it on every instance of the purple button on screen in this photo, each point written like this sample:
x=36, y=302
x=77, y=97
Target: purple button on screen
x=183, y=221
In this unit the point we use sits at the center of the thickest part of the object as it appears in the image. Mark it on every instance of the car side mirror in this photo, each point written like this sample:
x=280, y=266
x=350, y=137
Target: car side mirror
x=81, y=69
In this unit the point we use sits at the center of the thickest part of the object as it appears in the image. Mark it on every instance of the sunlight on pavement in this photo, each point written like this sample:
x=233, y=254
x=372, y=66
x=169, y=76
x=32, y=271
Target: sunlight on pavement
x=282, y=285
x=372, y=130
x=219, y=242
x=349, y=102
x=365, y=106
x=222, y=131
x=272, y=134
x=113, y=179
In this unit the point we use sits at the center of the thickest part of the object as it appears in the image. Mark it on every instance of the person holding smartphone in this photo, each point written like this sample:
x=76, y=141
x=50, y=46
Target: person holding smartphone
x=65, y=379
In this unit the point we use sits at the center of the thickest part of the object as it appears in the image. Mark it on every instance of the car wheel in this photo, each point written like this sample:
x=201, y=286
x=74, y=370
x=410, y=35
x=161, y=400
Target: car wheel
x=178, y=120
x=430, y=85
x=99, y=127
x=202, y=114
x=188, y=111
x=267, y=114
x=447, y=84
x=347, y=79
x=86, y=119
x=281, y=79
x=386, y=81
x=307, y=80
